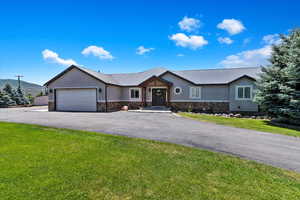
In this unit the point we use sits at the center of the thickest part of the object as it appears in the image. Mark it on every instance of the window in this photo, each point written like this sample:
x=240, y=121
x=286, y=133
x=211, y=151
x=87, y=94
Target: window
x=195, y=92
x=243, y=92
x=177, y=90
x=134, y=93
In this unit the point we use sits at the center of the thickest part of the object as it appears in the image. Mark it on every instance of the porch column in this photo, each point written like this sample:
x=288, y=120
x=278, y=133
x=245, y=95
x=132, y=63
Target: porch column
x=168, y=95
x=144, y=96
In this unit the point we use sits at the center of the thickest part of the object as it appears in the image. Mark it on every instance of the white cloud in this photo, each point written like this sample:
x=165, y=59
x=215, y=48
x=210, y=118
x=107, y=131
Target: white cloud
x=98, y=52
x=141, y=50
x=54, y=57
x=272, y=39
x=189, y=24
x=225, y=40
x=250, y=58
x=180, y=55
x=193, y=41
x=232, y=26
x=255, y=57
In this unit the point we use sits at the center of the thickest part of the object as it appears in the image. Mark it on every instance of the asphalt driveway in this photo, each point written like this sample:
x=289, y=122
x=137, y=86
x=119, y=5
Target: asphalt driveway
x=277, y=150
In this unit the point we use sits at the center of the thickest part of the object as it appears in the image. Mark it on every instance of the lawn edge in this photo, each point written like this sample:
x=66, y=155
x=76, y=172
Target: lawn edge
x=228, y=125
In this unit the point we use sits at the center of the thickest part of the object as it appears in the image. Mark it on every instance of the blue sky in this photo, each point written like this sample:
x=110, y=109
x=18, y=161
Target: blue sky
x=38, y=39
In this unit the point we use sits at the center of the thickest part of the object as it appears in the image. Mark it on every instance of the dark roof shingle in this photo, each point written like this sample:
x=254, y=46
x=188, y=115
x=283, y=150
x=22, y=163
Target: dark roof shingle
x=202, y=76
x=218, y=76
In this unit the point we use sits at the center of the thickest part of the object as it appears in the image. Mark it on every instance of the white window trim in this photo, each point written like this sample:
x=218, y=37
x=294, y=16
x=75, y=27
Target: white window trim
x=140, y=93
x=176, y=92
x=200, y=93
x=243, y=86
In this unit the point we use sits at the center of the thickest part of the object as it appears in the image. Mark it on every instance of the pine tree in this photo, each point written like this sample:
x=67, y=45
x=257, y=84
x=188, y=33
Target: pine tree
x=20, y=97
x=277, y=92
x=293, y=73
x=2, y=102
x=8, y=96
x=8, y=89
x=15, y=97
x=5, y=100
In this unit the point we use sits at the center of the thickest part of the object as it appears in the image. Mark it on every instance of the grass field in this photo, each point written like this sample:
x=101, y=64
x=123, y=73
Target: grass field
x=253, y=124
x=47, y=163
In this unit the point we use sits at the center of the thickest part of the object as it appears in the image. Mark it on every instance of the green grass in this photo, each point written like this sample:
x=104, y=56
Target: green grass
x=47, y=163
x=253, y=124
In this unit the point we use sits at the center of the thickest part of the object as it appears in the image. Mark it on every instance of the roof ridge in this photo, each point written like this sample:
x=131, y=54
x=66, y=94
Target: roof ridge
x=215, y=69
x=88, y=69
x=114, y=81
x=140, y=71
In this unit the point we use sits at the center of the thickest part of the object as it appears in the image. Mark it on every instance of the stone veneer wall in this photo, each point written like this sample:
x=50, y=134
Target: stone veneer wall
x=116, y=106
x=101, y=107
x=215, y=107
x=51, y=106
x=132, y=105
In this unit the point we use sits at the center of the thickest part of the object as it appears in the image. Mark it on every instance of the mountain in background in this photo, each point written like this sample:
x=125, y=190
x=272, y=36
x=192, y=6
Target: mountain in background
x=28, y=88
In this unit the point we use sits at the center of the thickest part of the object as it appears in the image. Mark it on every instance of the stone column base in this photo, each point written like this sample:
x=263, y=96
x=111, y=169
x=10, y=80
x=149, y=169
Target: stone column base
x=51, y=106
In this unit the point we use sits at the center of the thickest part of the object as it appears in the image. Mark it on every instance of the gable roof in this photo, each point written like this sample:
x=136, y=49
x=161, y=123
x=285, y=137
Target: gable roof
x=197, y=77
x=218, y=76
x=97, y=75
x=129, y=79
x=153, y=78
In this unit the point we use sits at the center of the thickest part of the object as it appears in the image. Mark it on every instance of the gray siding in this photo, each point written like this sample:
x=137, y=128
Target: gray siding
x=177, y=82
x=215, y=92
x=125, y=94
x=77, y=79
x=242, y=105
x=208, y=92
x=114, y=93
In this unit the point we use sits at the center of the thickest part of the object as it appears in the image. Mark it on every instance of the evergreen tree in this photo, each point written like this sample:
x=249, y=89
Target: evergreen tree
x=20, y=97
x=293, y=73
x=8, y=89
x=15, y=97
x=277, y=93
x=2, y=102
x=6, y=100
x=7, y=96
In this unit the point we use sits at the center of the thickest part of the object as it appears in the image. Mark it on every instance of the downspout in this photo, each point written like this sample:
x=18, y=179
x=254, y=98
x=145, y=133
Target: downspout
x=105, y=98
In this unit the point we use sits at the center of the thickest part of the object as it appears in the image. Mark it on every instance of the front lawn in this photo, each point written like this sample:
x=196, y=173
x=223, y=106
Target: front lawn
x=47, y=163
x=254, y=124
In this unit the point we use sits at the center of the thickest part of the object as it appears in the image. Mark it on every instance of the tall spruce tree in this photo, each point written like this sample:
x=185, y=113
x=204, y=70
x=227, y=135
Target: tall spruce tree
x=20, y=98
x=2, y=102
x=293, y=73
x=5, y=100
x=278, y=92
x=8, y=95
x=8, y=89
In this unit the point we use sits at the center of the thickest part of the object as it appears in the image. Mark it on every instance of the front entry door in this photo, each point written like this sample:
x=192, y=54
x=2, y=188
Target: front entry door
x=159, y=96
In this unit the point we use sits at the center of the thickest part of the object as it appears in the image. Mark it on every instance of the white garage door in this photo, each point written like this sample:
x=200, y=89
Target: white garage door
x=76, y=100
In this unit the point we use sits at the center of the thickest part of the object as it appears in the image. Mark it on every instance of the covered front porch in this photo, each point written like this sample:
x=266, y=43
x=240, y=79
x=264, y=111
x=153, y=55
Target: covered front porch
x=156, y=92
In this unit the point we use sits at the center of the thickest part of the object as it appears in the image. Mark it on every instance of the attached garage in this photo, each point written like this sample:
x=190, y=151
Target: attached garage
x=76, y=99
